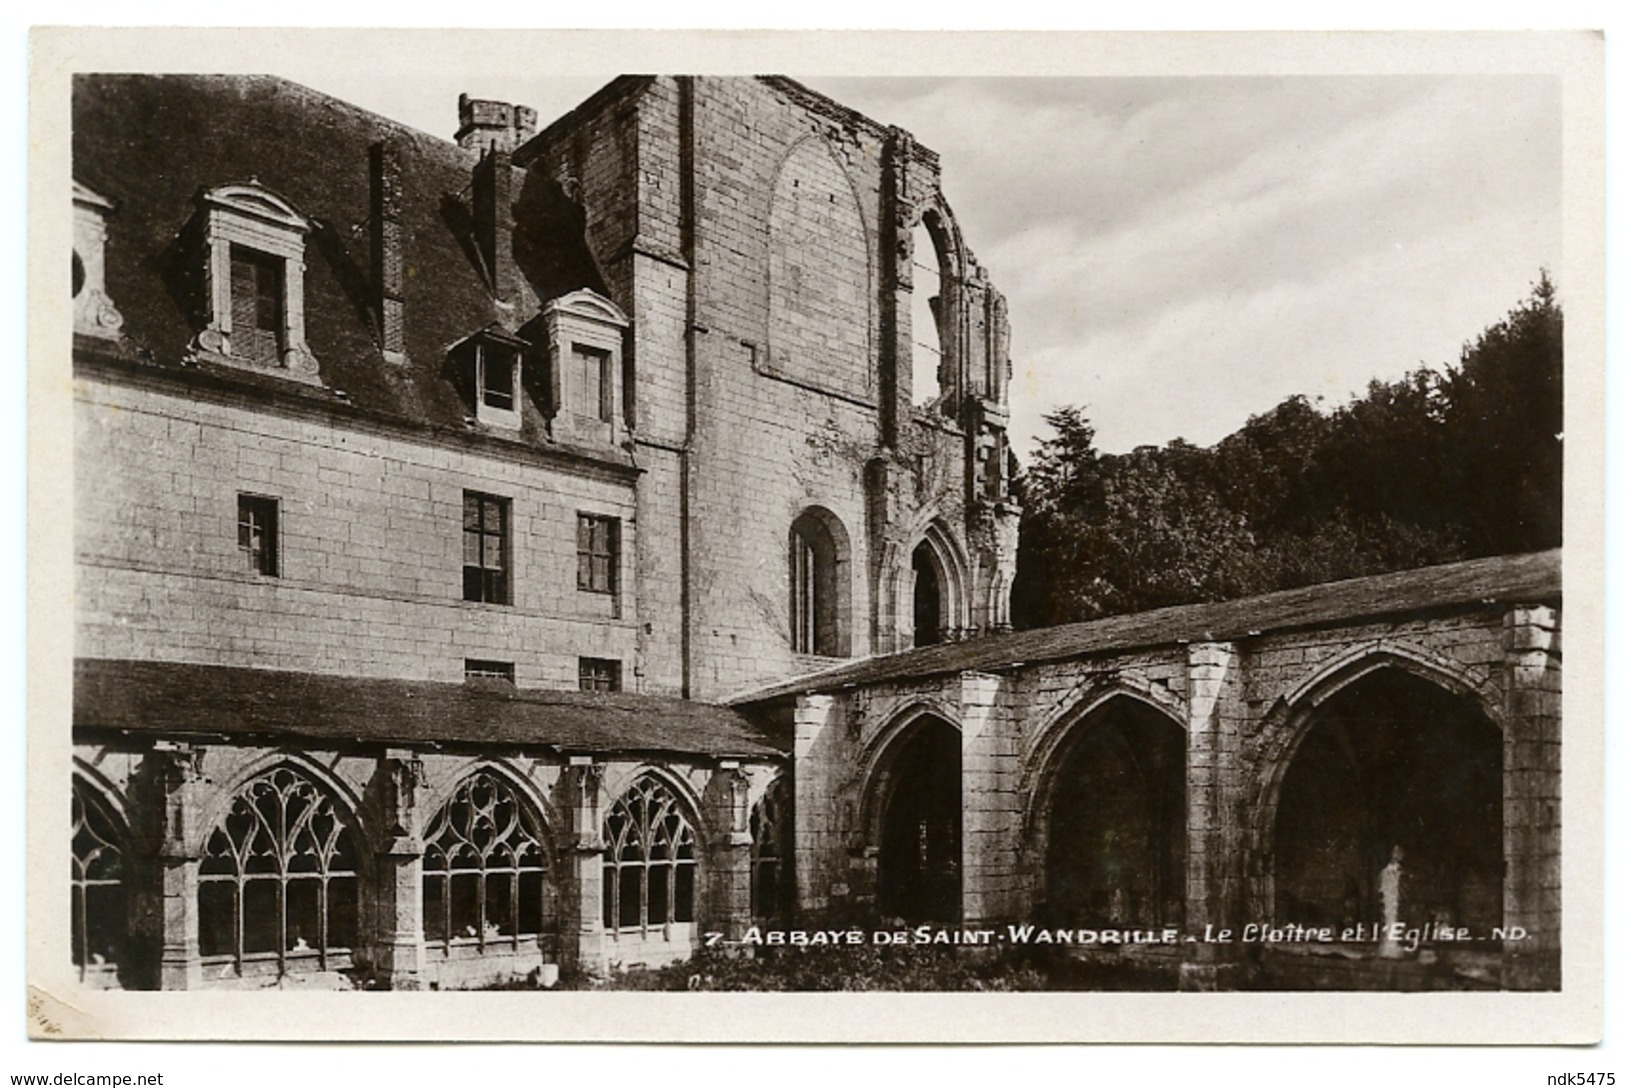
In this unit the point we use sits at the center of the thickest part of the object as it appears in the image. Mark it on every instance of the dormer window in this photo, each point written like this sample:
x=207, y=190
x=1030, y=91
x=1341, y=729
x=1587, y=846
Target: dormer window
x=253, y=245
x=257, y=319
x=493, y=360
x=585, y=333
x=93, y=312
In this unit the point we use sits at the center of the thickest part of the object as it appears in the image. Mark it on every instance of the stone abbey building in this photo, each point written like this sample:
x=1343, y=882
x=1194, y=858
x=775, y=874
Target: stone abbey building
x=536, y=551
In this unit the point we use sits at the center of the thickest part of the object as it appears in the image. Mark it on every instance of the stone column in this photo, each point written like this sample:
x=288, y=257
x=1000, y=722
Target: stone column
x=818, y=834
x=399, y=874
x=992, y=809
x=729, y=906
x=1532, y=895
x=581, y=925
x=1213, y=875
x=180, y=967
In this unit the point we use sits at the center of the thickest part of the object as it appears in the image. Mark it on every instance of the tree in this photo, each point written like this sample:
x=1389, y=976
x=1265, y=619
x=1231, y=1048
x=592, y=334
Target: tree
x=1428, y=468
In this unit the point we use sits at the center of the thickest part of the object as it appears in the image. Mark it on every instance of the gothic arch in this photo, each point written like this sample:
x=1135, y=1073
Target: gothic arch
x=112, y=798
x=689, y=802
x=1074, y=712
x=820, y=274
x=342, y=795
x=1297, y=713
x=874, y=761
x=934, y=541
x=435, y=798
x=1105, y=786
x=912, y=817
x=1292, y=715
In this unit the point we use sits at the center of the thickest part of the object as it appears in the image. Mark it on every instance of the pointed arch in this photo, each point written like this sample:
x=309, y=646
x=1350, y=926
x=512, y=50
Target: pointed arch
x=939, y=584
x=489, y=864
x=1348, y=758
x=1104, y=828
x=100, y=889
x=912, y=815
x=280, y=874
x=652, y=851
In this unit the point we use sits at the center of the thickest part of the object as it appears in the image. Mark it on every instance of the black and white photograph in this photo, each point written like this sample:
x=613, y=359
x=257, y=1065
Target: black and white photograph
x=1078, y=538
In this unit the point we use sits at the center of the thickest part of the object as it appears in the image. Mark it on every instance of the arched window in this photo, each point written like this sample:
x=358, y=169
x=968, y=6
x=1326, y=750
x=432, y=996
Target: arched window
x=485, y=869
x=771, y=875
x=925, y=317
x=818, y=593
x=278, y=879
x=100, y=929
x=927, y=597
x=648, y=860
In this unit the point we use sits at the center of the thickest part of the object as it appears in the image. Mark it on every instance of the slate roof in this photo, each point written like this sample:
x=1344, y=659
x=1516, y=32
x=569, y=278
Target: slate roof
x=152, y=143
x=1536, y=577
x=157, y=698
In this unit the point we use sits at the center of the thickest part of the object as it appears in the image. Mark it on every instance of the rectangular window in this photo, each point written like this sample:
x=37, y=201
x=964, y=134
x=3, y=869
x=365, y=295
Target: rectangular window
x=477, y=669
x=595, y=382
x=485, y=548
x=256, y=305
x=256, y=533
x=496, y=378
x=597, y=552
x=600, y=674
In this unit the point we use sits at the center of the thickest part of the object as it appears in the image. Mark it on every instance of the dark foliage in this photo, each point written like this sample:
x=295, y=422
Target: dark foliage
x=1430, y=468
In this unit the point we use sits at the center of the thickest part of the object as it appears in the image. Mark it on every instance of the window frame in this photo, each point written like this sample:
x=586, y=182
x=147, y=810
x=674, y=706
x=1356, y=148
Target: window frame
x=268, y=562
x=506, y=818
x=497, y=591
x=239, y=863
x=100, y=872
x=252, y=219
x=599, y=674
x=588, y=554
x=648, y=812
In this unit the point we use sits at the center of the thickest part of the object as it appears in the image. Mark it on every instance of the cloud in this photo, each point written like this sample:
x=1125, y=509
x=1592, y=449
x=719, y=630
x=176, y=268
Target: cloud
x=1181, y=253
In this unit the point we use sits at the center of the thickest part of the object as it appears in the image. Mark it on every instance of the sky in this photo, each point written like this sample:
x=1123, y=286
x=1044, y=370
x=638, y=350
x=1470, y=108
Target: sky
x=1180, y=253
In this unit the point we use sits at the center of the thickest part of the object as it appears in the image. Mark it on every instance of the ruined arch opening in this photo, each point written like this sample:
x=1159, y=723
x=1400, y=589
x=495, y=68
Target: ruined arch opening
x=1115, y=843
x=918, y=876
x=929, y=581
x=1392, y=760
x=927, y=312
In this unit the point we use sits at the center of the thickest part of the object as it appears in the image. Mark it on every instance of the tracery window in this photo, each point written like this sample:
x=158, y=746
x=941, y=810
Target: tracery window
x=98, y=909
x=648, y=860
x=485, y=869
x=770, y=871
x=279, y=878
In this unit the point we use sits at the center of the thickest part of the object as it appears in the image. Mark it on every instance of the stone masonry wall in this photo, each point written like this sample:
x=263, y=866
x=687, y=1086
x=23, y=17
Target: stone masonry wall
x=1244, y=706
x=370, y=550
x=168, y=816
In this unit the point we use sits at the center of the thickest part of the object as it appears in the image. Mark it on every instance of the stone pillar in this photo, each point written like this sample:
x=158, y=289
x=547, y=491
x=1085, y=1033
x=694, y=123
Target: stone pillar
x=1532, y=895
x=818, y=834
x=581, y=936
x=729, y=906
x=990, y=776
x=399, y=874
x=1213, y=876
x=180, y=967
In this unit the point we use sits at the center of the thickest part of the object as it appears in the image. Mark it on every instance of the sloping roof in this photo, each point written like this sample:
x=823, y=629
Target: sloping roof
x=173, y=699
x=1537, y=577
x=153, y=142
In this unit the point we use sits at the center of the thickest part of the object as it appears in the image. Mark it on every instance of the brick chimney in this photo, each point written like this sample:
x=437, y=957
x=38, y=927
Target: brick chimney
x=388, y=266
x=493, y=220
x=484, y=124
